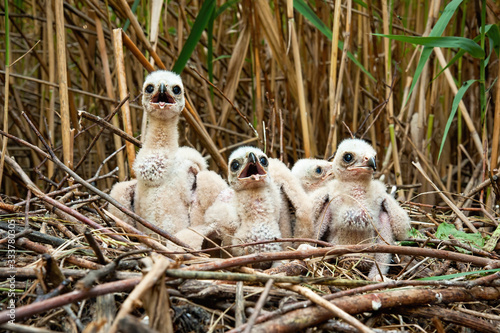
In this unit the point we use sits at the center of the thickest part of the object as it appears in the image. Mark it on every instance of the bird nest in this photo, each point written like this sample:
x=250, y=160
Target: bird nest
x=61, y=277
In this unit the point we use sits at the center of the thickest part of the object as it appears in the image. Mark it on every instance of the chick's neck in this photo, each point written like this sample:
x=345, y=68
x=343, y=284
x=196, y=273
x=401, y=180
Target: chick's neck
x=161, y=134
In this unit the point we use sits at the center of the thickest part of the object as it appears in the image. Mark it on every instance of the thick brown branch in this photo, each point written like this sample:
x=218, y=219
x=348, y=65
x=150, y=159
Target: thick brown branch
x=71, y=297
x=300, y=319
x=342, y=250
x=455, y=317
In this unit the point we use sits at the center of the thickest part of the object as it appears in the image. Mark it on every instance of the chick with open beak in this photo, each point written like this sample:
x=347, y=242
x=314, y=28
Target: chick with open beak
x=163, y=95
x=166, y=173
x=250, y=209
x=248, y=169
x=360, y=209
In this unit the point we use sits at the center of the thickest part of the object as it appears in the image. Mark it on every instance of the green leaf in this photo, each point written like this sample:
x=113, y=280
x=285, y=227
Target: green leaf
x=134, y=10
x=225, y=6
x=199, y=25
x=462, y=43
x=224, y=56
x=445, y=230
x=311, y=16
x=454, y=107
x=453, y=276
x=307, y=12
x=493, y=33
x=414, y=233
x=361, y=3
x=437, y=31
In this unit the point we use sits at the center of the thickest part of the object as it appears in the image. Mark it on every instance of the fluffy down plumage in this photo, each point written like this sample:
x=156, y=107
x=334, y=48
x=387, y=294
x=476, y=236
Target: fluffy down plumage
x=250, y=209
x=166, y=174
x=361, y=211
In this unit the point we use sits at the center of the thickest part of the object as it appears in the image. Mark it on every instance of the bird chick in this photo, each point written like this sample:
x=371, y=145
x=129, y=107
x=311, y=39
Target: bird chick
x=315, y=177
x=313, y=173
x=124, y=193
x=166, y=174
x=297, y=220
x=249, y=210
x=361, y=211
x=208, y=186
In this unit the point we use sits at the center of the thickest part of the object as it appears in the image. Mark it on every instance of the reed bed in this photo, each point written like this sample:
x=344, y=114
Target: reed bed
x=417, y=79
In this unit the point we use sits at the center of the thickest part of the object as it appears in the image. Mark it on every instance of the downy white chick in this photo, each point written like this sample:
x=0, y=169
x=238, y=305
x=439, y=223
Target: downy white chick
x=208, y=186
x=297, y=219
x=293, y=198
x=361, y=210
x=124, y=193
x=315, y=177
x=313, y=173
x=250, y=209
x=166, y=174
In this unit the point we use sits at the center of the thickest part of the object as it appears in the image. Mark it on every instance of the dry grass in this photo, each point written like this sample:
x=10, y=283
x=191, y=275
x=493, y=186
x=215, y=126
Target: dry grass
x=280, y=71
x=260, y=57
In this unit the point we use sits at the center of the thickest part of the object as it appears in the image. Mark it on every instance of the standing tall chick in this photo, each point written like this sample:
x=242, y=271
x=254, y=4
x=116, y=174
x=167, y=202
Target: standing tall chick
x=361, y=210
x=166, y=174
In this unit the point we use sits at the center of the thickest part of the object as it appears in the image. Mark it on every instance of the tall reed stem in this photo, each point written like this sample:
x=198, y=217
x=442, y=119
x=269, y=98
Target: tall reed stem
x=300, y=82
x=63, y=84
x=122, y=87
x=6, y=90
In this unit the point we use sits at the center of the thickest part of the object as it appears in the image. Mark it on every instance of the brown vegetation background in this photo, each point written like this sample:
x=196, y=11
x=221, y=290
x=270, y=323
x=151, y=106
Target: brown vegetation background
x=278, y=69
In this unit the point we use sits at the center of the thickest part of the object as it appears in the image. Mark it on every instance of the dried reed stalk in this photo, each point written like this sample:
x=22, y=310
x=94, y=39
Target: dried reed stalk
x=110, y=93
x=158, y=270
x=122, y=87
x=52, y=98
x=445, y=198
x=495, y=141
x=332, y=141
x=276, y=43
x=235, y=67
x=304, y=119
x=5, y=117
x=63, y=84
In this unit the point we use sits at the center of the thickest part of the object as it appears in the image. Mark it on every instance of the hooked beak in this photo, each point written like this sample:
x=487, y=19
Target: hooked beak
x=162, y=97
x=368, y=165
x=252, y=158
x=327, y=174
x=163, y=88
x=372, y=164
x=253, y=171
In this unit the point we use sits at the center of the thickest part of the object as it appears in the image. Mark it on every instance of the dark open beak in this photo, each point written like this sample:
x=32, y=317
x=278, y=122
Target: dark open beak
x=162, y=96
x=253, y=170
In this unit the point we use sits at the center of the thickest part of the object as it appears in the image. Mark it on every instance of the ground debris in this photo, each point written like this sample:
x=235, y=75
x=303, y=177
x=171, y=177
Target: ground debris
x=424, y=279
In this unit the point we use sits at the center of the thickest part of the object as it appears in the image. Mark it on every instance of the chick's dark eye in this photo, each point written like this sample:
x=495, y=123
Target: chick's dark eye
x=263, y=161
x=347, y=157
x=176, y=90
x=235, y=165
x=149, y=89
x=319, y=170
